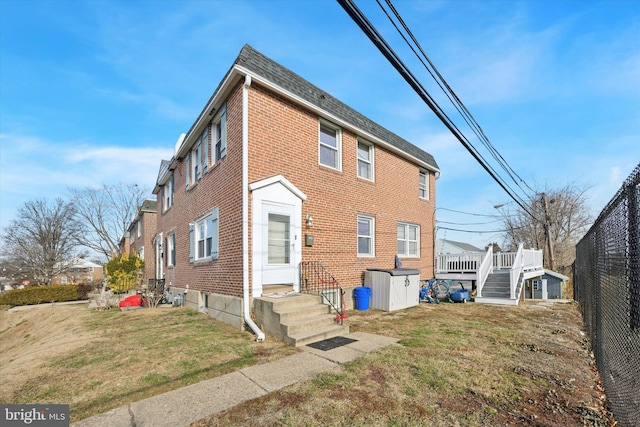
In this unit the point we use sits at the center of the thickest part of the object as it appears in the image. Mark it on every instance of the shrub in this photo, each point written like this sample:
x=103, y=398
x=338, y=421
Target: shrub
x=39, y=295
x=123, y=272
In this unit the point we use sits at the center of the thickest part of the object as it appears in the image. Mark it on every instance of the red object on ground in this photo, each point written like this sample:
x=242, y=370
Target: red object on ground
x=132, y=301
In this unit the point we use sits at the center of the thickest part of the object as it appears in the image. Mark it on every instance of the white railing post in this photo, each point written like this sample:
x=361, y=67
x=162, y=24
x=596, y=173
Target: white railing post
x=485, y=268
x=516, y=269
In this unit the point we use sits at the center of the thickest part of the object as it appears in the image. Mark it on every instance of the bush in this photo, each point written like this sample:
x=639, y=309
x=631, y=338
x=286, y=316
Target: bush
x=42, y=294
x=83, y=290
x=124, y=272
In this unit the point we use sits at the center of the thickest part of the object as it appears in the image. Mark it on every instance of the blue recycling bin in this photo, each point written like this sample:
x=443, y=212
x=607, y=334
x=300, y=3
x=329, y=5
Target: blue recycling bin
x=362, y=295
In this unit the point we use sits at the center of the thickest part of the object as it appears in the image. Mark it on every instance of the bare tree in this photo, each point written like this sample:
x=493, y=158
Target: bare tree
x=560, y=219
x=41, y=240
x=106, y=213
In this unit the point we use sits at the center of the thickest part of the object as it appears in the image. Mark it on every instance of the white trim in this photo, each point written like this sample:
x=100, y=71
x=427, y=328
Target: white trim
x=281, y=180
x=278, y=193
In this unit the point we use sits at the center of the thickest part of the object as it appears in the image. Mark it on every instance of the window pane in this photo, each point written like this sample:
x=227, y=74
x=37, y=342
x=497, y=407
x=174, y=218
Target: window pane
x=401, y=247
x=363, y=151
x=279, y=240
x=364, y=169
x=413, y=248
x=413, y=233
x=364, y=227
x=364, y=245
x=401, y=232
x=328, y=156
x=328, y=136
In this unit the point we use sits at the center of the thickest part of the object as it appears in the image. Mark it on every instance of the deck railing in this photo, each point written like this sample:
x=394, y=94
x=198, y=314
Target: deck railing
x=485, y=269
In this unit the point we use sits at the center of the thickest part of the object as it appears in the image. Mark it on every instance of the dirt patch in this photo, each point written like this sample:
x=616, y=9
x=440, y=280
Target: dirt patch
x=32, y=336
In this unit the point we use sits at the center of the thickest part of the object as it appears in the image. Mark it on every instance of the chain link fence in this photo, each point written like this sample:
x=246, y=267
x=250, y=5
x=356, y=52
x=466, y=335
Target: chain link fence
x=607, y=287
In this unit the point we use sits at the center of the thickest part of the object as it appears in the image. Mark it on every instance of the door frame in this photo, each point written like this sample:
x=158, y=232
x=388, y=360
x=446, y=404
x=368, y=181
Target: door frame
x=274, y=191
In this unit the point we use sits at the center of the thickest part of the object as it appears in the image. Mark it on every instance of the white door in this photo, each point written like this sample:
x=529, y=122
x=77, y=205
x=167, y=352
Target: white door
x=278, y=244
x=159, y=269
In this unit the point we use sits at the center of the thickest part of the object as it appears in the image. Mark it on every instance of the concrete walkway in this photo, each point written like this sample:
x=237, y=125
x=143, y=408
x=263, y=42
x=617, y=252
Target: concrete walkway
x=183, y=406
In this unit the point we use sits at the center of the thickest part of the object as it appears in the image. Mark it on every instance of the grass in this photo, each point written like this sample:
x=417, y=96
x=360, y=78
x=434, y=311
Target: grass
x=455, y=364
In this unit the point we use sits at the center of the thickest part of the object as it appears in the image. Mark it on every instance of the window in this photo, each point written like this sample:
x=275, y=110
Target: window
x=139, y=226
x=408, y=240
x=424, y=185
x=168, y=193
x=196, y=161
x=203, y=238
x=219, y=133
x=141, y=252
x=365, y=160
x=537, y=285
x=330, y=146
x=132, y=235
x=171, y=250
x=365, y=235
x=63, y=280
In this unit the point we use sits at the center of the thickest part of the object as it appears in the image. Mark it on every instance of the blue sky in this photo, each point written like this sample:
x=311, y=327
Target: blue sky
x=96, y=92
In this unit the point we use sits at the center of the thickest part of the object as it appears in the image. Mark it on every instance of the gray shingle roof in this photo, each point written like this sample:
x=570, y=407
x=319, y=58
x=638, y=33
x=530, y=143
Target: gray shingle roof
x=263, y=66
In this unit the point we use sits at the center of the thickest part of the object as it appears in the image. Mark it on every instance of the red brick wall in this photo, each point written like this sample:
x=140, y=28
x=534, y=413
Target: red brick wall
x=220, y=187
x=284, y=140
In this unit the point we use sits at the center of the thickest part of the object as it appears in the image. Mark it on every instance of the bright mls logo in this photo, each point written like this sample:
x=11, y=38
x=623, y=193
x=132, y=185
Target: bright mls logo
x=35, y=415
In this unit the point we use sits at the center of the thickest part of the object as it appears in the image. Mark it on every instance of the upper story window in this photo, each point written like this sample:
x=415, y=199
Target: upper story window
x=330, y=149
x=423, y=186
x=210, y=147
x=141, y=252
x=167, y=192
x=365, y=235
x=365, y=160
x=219, y=135
x=203, y=238
x=132, y=235
x=171, y=249
x=139, y=227
x=408, y=240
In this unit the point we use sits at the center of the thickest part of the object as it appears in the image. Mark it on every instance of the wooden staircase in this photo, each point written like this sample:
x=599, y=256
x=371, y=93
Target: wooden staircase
x=295, y=318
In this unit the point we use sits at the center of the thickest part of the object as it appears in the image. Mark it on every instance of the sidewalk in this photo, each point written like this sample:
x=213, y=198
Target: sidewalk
x=183, y=406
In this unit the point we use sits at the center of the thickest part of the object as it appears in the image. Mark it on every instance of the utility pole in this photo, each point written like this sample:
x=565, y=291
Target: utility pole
x=547, y=234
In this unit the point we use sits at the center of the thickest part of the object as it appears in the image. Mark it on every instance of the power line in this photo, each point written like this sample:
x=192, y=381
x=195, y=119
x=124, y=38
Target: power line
x=451, y=95
x=371, y=32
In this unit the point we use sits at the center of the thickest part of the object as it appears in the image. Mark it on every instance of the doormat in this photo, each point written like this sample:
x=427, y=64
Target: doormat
x=331, y=343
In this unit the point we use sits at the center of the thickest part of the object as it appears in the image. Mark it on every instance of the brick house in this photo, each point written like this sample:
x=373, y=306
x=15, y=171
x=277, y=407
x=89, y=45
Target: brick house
x=275, y=174
x=140, y=236
x=80, y=270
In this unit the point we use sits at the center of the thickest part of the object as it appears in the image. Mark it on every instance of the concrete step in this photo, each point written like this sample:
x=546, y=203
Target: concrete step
x=290, y=313
x=315, y=335
x=301, y=324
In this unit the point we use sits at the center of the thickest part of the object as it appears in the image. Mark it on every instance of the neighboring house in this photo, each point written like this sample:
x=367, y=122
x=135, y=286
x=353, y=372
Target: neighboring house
x=80, y=270
x=547, y=286
x=140, y=235
x=451, y=247
x=275, y=173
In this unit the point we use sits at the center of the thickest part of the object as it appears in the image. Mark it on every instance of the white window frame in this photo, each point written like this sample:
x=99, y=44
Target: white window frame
x=423, y=188
x=196, y=161
x=168, y=193
x=368, y=162
x=171, y=250
x=219, y=135
x=337, y=149
x=204, y=237
x=407, y=226
x=372, y=228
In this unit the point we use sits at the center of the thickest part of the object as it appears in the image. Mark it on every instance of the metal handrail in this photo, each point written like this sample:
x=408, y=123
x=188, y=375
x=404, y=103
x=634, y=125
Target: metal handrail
x=316, y=279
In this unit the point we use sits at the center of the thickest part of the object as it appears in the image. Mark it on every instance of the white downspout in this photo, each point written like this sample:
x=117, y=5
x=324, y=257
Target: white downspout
x=245, y=210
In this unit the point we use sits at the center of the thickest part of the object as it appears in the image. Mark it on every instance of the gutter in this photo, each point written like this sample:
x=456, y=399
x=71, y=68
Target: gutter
x=245, y=211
